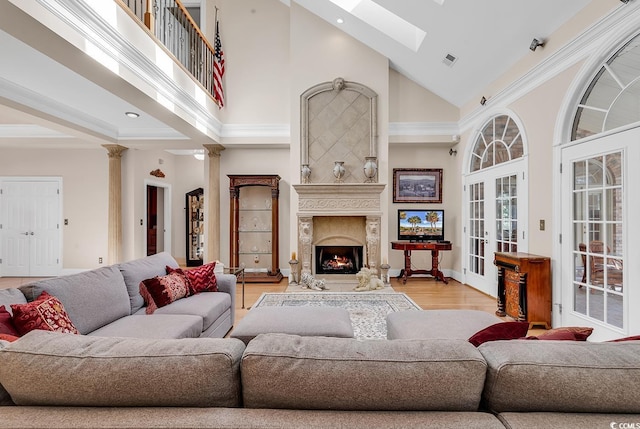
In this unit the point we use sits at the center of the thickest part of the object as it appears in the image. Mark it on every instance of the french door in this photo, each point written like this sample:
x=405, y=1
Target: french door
x=496, y=218
x=29, y=227
x=599, y=253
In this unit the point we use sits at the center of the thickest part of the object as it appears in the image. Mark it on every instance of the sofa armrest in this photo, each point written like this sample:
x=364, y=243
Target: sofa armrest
x=227, y=284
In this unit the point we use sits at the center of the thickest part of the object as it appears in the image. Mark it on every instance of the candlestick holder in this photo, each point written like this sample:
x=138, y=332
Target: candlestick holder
x=295, y=279
x=384, y=273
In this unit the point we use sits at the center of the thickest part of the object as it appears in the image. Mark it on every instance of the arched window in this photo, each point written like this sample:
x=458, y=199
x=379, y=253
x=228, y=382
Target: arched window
x=612, y=98
x=499, y=141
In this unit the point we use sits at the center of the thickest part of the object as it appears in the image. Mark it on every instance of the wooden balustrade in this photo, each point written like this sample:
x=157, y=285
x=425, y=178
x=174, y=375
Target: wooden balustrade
x=170, y=22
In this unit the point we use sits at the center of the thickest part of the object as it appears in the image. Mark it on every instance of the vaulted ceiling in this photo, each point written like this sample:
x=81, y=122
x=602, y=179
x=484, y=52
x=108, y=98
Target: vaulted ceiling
x=44, y=100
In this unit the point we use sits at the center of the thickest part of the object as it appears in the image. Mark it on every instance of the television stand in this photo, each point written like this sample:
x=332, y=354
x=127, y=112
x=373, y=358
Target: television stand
x=408, y=246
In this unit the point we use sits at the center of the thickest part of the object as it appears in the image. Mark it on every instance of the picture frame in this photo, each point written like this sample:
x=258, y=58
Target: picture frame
x=417, y=185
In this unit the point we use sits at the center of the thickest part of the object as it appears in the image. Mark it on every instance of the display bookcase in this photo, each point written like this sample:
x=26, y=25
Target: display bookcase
x=195, y=227
x=254, y=226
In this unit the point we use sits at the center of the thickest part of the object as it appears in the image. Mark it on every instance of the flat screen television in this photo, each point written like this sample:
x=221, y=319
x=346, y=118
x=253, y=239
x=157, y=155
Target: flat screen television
x=421, y=225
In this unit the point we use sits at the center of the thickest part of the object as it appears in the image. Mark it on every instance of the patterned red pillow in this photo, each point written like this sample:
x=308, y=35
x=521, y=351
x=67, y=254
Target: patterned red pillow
x=46, y=313
x=580, y=333
x=163, y=290
x=6, y=324
x=201, y=279
x=500, y=331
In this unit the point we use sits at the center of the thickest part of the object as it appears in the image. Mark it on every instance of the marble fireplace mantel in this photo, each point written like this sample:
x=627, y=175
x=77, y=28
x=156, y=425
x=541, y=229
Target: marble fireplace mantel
x=339, y=199
x=336, y=199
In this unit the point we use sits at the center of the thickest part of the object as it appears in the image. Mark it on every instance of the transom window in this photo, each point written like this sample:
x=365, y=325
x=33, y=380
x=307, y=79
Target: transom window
x=612, y=98
x=499, y=141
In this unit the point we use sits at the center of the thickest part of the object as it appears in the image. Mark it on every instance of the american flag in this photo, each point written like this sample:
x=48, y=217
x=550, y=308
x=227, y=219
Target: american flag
x=218, y=69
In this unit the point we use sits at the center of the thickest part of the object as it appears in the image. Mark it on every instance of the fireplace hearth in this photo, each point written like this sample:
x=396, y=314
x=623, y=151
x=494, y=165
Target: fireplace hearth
x=338, y=259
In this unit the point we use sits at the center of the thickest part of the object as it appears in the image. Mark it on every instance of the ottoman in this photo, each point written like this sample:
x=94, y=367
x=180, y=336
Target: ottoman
x=438, y=324
x=303, y=321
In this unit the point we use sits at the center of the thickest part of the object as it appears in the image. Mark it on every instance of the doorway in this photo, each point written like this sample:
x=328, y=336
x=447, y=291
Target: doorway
x=157, y=218
x=30, y=233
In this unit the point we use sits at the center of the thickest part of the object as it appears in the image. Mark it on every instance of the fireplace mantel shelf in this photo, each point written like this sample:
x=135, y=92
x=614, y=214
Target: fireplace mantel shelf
x=339, y=188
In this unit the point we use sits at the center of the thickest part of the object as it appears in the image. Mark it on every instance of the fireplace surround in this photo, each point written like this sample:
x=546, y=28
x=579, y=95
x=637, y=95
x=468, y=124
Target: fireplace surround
x=339, y=214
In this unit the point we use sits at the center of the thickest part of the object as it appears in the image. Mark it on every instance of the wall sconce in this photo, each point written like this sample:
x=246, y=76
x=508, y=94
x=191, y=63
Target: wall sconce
x=483, y=100
x=535, y=43
x=625, y=1
x=453, y=152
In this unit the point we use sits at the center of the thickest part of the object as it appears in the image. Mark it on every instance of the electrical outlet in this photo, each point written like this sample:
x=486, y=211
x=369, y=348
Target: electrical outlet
x=66, y=221
x=100, y=260
x=541, y=224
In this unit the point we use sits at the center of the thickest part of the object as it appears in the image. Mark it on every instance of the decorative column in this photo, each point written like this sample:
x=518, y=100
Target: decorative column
x=114, y=250
x=373, y=241
x=212, y=215
x=305, y=235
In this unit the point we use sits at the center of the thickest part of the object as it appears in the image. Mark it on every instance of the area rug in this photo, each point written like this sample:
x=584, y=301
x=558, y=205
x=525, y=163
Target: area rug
x=368, y=311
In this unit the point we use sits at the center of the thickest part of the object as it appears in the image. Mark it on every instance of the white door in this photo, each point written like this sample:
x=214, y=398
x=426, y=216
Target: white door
x=495, y=222
x=30, y=228
x=598, y=252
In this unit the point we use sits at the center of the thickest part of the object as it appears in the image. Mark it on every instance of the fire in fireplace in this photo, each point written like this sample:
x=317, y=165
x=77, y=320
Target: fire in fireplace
x=338, y=259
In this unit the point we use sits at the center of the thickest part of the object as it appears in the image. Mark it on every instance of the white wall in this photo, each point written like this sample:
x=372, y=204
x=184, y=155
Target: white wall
x=85, y=196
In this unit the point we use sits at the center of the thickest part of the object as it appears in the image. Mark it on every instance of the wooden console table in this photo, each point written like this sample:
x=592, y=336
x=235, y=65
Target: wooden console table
x=408, y=246
x=524, y=287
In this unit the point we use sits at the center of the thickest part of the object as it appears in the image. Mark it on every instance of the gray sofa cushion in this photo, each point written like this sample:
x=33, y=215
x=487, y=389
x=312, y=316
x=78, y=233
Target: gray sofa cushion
x=234, y=418
x=293, y=372
x=208, y=305
x=461, y=324
x=141, y=269
x=92, y=299
x=153, y=326
x=305, y=321
x=11, y=296
x=562, y=376
x=568, y=420
x=48, y=368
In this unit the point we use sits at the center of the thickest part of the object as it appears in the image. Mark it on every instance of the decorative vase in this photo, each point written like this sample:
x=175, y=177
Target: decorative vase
x=338, y=171
x=371, y=169
x=305, y=172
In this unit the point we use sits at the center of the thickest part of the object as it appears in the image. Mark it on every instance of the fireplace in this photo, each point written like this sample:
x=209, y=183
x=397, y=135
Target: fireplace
x=338, y=259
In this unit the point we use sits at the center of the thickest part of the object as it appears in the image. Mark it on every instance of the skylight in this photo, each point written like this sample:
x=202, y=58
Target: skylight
x=385, y=21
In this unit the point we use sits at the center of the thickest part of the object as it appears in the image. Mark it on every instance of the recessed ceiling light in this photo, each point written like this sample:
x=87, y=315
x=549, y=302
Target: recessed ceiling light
x=132, y=114
x=340, y=20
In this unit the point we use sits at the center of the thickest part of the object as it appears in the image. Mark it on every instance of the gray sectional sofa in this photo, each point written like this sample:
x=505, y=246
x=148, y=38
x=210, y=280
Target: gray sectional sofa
x=107, y=302
x=287, y=381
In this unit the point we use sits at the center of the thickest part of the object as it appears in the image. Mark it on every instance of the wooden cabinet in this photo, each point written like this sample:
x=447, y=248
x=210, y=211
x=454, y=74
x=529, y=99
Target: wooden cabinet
x=195, y=227
x=524, y=287
x=254, y=226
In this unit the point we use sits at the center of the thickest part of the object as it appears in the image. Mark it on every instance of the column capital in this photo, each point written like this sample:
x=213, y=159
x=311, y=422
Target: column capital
x=115, y=150
x=214, y=149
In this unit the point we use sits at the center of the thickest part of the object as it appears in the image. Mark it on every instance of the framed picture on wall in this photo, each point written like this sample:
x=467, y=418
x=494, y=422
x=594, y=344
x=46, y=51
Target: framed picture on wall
x=417, y=185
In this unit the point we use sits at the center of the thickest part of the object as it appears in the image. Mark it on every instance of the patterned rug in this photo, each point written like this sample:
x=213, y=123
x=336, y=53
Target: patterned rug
x=368, y=311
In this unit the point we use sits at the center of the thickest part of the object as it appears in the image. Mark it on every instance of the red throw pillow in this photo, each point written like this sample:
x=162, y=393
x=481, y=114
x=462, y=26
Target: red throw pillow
x=6, y=324
x=579, y=333
x=556, y=336
x=163, y=290
x=7, y=337
x=620, y=340
x=46, y=313
x=201, y=279
x=500, y=331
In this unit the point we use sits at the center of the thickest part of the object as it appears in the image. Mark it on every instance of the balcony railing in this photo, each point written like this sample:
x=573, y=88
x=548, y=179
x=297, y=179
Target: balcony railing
x=172, y=25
